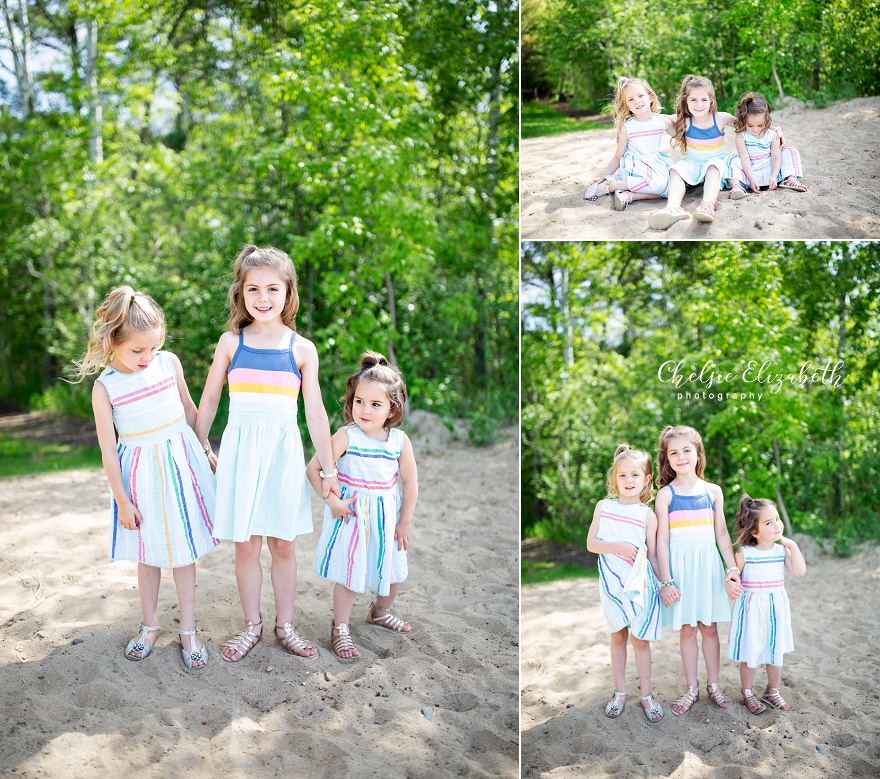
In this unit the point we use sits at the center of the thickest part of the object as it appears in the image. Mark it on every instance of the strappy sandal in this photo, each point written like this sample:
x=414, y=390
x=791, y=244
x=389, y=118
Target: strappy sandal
x=686, y=702
x=718, y=697
x=666, y=217
x=618, y=202
x=389, y=622
x=654, y=713
x=592, y=194
x=705, y=212
x=773, y=698
x=194, y=659
x=243, y=642
x=140, y=644
x=752, y=703
x=737, y=192
x=792, y=183
x=614, y=707
x=340, y=637
x=293, y=642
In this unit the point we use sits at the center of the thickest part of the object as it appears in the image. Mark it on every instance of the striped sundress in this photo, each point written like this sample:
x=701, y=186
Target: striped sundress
x=164, y=470
x=760, y=159
x=646, y=168
x=760, y=628
x=261, y=474
x=705, y=149
x=694, y=563
x=362, y=554
x=628, y=591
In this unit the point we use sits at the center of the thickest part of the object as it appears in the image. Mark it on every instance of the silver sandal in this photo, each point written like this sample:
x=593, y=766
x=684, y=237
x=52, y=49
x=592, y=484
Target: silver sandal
x=614, y=708
x=139, y=644
x=618, y=203
x=654, y=713
x=592, y=194
x=194, y=659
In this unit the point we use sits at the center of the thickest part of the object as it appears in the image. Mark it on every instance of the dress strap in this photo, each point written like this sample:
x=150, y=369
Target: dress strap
x=715, y=122
x=671, y=488
x=293, y=364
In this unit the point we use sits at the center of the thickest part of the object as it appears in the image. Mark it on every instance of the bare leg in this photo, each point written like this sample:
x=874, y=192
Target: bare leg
x=774, y=676
x=185, y=583
x=676, y=190
x=384, y=604
x=249, y=577
x=149, y=579
x=645, y=196
x=712, y=185
x=746, y=679
x=711, y=651
x=690, y=653
x=284, y=587
x=618, y=658
x=642, y=654
x=672, y=212
x=747, y=676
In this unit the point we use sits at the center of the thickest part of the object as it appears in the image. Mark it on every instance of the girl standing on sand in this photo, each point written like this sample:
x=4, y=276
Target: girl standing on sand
x=759, y=161
x=699, y=133
x=640, y=130
x=760, y=628
x=163, y=488
x=261, y=475
x=690, y=522
x=366, y=531
x=623, y=533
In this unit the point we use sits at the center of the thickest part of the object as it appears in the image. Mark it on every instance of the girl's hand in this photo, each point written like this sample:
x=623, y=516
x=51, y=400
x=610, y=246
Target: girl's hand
x=129, y=516
x=342, y=509
x=401, y=535
x=733, y=589
x=628, y=551
x=754, y=186
x=773, y=184
x=212, y=461
x=330, y=486
x=668, y=595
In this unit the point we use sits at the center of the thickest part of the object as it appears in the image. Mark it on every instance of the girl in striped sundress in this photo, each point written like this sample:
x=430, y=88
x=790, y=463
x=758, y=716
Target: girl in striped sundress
x=690, y=532
x=623, y=533
x=261, y=475
x=699, y=132
x=365, y=534
x=760, y=627
x=638, y=170
x=759, y=161
x=162, y=485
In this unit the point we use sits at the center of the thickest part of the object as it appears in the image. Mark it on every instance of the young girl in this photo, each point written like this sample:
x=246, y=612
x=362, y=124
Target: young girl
x=759, y=161
x=690, y=522
x=699, y=133
x=623, y=533
x=162, y=485
x=261, y=479
x=640, y=131
x=366, y=530
x=760, y=629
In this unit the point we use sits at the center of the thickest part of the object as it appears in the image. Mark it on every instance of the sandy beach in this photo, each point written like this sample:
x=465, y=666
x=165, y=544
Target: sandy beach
x=841, y=163
x=441, y=703
x=830, y=680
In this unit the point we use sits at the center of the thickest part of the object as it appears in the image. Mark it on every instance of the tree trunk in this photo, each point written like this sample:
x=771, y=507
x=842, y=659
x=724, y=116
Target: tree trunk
x=21, y=55
x=567, y=330
x=96, y=113
x=392, y=312
x=780, y=502
x=773, y=63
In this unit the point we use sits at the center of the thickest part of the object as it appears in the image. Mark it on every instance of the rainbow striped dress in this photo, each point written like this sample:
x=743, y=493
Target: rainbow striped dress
x=761, y=160
x=694, y=562
x=760, y=629
x=261, y=474
x=165, y=471
x=705, y=149
x=628, y=591
x=362, y=553
x=646, y=168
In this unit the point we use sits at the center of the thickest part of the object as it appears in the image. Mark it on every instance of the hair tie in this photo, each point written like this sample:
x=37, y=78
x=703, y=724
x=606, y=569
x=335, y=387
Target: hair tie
x=133, y=297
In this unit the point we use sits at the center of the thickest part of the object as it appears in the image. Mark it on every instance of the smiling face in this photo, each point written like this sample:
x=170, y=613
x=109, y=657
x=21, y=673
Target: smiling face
x=265, y=294
x=630, y=479
x=638, y=101
x=768, y=529
x=699, y=102
x=682, y=456
x=137, y=351
x=371, y=408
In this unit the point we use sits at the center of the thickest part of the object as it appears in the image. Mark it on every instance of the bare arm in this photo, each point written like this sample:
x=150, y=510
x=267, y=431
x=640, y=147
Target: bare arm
x=734, y=588
x=214, y=387
x=651, y=540
x=409, y=485
x=618, y=153
x=746, y=163
x=775, y=161
x=721, y=535
x=189, y=408
x=596, y=546
x=670, y=593
x=129, y=516
x=339, y=509
x=794, y=559
x=316, y=415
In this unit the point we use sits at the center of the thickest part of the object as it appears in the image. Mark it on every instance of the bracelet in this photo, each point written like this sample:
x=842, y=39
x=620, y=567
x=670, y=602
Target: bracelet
x=732, y=568
x=670, y=583
x=207, y=450
x=332, y=475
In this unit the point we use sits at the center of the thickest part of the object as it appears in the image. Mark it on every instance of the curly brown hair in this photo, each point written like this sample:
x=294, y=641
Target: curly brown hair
x=682, y=114
x=375, y=367
x=254, y=257
x=745, y=523
x=665, y=471
x=750, y=104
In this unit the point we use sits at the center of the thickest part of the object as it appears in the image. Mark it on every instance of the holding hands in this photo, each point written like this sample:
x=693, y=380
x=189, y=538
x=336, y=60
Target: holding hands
x=669, y=594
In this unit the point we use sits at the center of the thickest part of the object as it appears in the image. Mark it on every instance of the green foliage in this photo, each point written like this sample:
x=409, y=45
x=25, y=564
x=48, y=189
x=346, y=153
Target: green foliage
x=541, y=572
x=538, y=120
x=21, y=457
x=631, y=308
x=813, y=46
x=374, y=142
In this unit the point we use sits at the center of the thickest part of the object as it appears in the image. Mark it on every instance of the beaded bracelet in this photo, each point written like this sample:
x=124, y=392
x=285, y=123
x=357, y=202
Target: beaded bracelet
x=670, y=583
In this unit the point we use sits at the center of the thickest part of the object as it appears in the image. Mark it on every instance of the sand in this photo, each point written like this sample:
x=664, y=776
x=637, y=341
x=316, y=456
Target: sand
x=831, y=681
x=841, y=162
x=441, y=703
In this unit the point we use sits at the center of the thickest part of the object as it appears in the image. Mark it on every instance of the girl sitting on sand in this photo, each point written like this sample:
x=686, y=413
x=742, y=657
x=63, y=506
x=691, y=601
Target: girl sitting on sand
x=759, y=161
x=690, y=523
x=643, y=168
x=699, y=133
x=366, y=531
x=760, y=630
x=623, y=533
x=162, y=485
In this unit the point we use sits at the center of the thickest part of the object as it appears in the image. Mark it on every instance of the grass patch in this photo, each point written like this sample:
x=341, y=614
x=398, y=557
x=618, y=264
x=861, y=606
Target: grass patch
x=21, y=457
x=539, y=120
x=543, y=571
